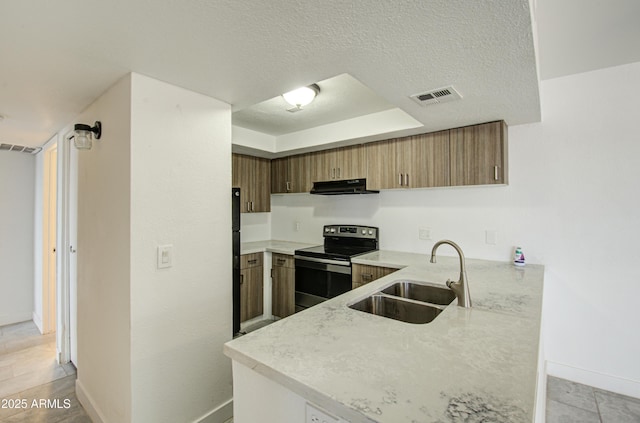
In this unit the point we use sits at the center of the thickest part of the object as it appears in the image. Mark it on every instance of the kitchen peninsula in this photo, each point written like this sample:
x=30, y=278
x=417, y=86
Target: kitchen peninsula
x=480, y=362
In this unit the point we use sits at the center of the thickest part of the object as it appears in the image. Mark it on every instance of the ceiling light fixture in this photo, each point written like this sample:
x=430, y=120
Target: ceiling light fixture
x=82, y=135
x=302, y=96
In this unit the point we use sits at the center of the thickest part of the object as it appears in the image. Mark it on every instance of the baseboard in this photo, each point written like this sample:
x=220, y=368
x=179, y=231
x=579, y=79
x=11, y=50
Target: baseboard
x=220, y=414
x=9, y=319
x=630, y=388
x=88, y=403
x=38, y=321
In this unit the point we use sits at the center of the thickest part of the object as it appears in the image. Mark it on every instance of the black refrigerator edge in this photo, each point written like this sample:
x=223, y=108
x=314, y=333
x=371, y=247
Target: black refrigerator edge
x=235, y=208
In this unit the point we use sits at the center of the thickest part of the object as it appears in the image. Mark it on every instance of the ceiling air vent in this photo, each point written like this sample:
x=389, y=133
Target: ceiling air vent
x=440, y=95
x=20, y=148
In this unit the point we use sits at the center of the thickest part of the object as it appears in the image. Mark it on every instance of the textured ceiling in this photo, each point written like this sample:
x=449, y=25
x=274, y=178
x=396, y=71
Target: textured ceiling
x=59, y=56
x=584, y=35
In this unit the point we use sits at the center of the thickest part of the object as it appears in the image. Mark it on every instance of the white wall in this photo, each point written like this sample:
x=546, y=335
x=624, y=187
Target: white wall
x=180, y=195
x=104, y=260
x=150, y=340
x=572, y=204
x=17, y=195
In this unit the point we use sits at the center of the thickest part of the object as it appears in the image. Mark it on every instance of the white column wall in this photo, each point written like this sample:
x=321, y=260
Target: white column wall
x=180, y=195
x=104, y=260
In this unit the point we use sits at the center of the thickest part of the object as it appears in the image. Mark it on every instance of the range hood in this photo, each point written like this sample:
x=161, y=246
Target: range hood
x=347, y=186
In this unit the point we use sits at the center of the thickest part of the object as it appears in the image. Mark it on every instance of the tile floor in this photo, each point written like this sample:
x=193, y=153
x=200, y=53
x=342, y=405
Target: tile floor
x=570, y=402
x=28, y=370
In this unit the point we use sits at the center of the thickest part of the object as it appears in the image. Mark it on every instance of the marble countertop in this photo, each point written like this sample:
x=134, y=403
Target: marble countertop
x=365, y=368
x=272, y=246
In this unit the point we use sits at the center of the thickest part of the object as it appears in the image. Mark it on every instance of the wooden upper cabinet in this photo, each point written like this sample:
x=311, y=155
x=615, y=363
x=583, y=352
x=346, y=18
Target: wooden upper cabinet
x=291, y=174
x=253, y=176
x=350, y=162
x=478, y=154
x=339, y=163
x=280, y=175
x=300, y=173
x=389, y=164
x=430, y=160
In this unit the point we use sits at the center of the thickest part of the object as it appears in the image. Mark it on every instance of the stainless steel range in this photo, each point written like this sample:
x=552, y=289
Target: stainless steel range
x=324, y=271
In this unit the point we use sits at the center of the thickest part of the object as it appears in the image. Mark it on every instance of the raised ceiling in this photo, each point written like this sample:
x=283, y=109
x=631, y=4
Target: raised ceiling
x=341, y=97
x=58, y=57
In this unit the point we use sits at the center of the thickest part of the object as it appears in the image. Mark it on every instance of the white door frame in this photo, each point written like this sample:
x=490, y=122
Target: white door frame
x=64, y=247
x=49, y=239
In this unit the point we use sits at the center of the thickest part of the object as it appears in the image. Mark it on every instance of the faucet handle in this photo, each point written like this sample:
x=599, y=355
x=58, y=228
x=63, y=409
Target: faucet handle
x=448, y=283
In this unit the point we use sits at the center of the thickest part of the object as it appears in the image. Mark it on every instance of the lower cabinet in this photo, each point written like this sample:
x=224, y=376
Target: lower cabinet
x=251, y=286
x=283, y=285
x=362, y=274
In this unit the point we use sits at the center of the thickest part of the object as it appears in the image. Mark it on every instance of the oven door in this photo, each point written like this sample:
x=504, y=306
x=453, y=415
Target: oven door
x=318, y=279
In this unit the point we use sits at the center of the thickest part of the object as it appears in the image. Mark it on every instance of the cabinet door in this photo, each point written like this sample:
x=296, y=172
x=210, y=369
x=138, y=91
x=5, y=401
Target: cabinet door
x=381, y=165
x=280, y=182
x=389, y=164
x=283, y=291
x=350, y=162
x=430, y=160
x=243, y=176
x=362, y=274
x=261, y=190
x=300, y=173
x=478, y=154
x=322, y=165
x=251, y=293
x=283, y=287
x=253, y=176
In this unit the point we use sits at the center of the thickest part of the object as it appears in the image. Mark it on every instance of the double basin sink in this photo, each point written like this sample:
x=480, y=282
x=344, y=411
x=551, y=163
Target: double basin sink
x=407, y=301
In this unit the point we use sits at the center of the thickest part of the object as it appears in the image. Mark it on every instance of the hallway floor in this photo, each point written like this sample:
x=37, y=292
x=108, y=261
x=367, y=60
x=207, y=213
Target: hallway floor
x=33, y=386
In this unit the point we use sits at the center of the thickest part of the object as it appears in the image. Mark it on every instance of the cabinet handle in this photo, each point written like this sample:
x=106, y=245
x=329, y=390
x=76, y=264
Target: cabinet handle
x=241, y=279
x=406, y=179
x=333, y=174
x=367, y=277
x=247, y=204
x=254, y=261
x=288, y=186
x=338, y=172
x=495, y=173
x=400, y=179
x=271, y=273
x=281, y=261
x=252, y=209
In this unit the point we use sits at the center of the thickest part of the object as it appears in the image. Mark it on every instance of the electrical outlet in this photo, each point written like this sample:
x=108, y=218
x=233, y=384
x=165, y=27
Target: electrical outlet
x=315, y=415
x=491, y=236
x=424, y=233
x=297, y=226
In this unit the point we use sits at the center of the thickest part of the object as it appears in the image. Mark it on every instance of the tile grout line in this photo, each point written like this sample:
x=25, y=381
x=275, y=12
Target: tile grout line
x=595, y=400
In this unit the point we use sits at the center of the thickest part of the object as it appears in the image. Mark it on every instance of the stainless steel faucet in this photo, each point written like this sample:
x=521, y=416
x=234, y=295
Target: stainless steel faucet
x=460, y=288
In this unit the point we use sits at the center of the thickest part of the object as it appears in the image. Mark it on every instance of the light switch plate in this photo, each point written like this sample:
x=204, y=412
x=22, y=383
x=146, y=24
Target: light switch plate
x=165, y=256
x=315, y=415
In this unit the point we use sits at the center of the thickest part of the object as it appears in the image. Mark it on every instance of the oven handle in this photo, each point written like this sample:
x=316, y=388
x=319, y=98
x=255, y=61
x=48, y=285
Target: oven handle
x=325, y=261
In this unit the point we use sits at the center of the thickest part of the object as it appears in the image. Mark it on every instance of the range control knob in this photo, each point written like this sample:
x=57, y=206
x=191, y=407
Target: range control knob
x=364, y=232
x=326, y=229
x=370, y=232
x=333, y=230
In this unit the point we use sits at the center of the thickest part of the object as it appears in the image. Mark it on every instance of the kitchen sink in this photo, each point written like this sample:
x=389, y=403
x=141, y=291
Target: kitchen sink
x=397, y=308
x=421, y=291
x=407, y=301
